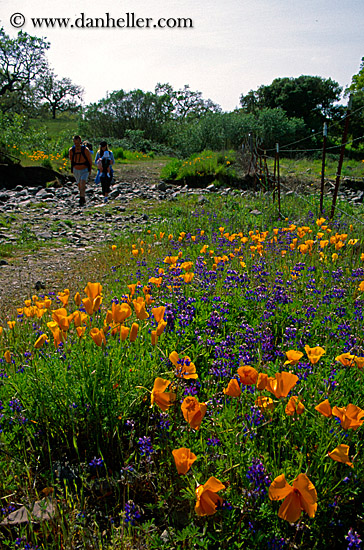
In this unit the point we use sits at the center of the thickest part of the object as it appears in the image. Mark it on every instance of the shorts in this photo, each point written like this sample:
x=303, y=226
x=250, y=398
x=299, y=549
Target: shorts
x=80, y=175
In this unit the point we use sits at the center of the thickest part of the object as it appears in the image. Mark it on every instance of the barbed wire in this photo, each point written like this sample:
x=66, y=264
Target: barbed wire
x=310, y=136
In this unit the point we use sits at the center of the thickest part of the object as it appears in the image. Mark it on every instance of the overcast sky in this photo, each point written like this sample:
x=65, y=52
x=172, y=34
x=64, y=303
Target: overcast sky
x=233, y=47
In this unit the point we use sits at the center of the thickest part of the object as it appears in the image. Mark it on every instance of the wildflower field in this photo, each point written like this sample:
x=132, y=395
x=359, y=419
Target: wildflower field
x=205, y=392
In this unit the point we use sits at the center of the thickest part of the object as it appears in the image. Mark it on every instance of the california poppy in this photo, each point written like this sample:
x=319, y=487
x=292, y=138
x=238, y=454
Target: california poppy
x=207, y=499
x=341, y=454
x=193, y=411
x=139, y=306
x=154, y=337
x=158, y=313
x=351, y=417
x=294, y=406
x=93, y=290
x=160, y=397
x=120, y=312
x=233, y=388
x=314, y=354
x=98, y=336
x=40, y=342
x=77, y=299
x=248, y=375
x=298, y=497
x=264, y=403
x=262, y=381
x=60, y=316
x=58, y=334
x=346, y=359
x=7, y=356
x=184, y=367
x=281, y=384
x=124, y=331
x=359, y=361
x=324, y=408
x=133, y=332
x=184, y=459
x=64, y=297
x=293, y=357
x=160, y=328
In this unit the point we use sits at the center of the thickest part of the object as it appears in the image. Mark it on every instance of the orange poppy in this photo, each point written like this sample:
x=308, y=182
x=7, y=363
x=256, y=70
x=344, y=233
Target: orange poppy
x=298, y=497
x=7, y=356
x=346, y=359
x=359, y=361
x=160, y=397
x=158, y=313
x=262, y=381
x=264, y=403
x=183, y=459
x=314, y=354
x=40, y=342
x=184, y=367
x=120, y=312
x=248, y=375
x=124, y=331
x=154, y=337
x=281, y=384
x=160, y=328
x=341, y=454
x=98, y=336
x=133, y=332
x=351, y=417
x=293, y=357
x=139, y=306
x=207, y=499
x=64, y=297
x=193, y=411
x=324, y=408
x=93, y=290
x=294, y=406
x=233, y=388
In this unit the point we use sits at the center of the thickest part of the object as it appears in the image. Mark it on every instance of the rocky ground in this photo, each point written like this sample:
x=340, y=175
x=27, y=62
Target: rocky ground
x=51, y=243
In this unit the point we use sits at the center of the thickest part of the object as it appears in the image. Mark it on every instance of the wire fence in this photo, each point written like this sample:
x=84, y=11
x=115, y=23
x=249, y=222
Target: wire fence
x=264, y=178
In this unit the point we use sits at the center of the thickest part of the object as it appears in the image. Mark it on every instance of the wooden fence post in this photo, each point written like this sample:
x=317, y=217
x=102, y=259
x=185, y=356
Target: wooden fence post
x=278, y=180
x=323, y=168
x=341, y=158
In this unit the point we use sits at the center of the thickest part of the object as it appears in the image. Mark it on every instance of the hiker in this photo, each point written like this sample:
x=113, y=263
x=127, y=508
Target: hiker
x=102, y=176
x=81, y=164
x=104, y=164
x=89, y=146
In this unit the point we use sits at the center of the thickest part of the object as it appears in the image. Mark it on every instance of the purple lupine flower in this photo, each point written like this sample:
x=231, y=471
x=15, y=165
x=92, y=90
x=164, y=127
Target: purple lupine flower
x=132, y=514
x=259, y=478
x=353, y=539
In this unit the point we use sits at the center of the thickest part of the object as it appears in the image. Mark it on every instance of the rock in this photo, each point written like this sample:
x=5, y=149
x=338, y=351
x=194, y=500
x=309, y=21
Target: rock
x=161, y=186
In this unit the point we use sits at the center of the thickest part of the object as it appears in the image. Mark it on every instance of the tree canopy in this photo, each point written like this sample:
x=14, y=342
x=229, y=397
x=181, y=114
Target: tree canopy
x=22, y=61
x=59, y=94
x=311, y=98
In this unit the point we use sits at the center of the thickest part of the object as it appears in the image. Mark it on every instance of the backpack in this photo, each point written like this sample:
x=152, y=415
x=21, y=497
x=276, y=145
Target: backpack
x=73, y=164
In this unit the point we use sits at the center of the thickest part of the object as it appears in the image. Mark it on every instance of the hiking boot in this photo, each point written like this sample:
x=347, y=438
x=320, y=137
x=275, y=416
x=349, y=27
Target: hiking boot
x=82, y=201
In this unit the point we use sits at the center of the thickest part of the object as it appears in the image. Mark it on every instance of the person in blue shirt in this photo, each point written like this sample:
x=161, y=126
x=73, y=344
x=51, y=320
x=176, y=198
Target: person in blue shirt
x=103, y=177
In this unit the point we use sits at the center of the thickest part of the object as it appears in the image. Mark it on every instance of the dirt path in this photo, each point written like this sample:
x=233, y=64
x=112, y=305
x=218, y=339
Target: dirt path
x=57, y=265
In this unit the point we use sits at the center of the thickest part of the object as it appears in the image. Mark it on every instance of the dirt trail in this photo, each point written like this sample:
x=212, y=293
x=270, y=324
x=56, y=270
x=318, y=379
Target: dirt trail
x=52, y=268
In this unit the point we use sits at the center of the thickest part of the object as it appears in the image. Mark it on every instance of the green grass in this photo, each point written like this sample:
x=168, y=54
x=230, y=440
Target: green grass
x=55, y=127
x=306, y=168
